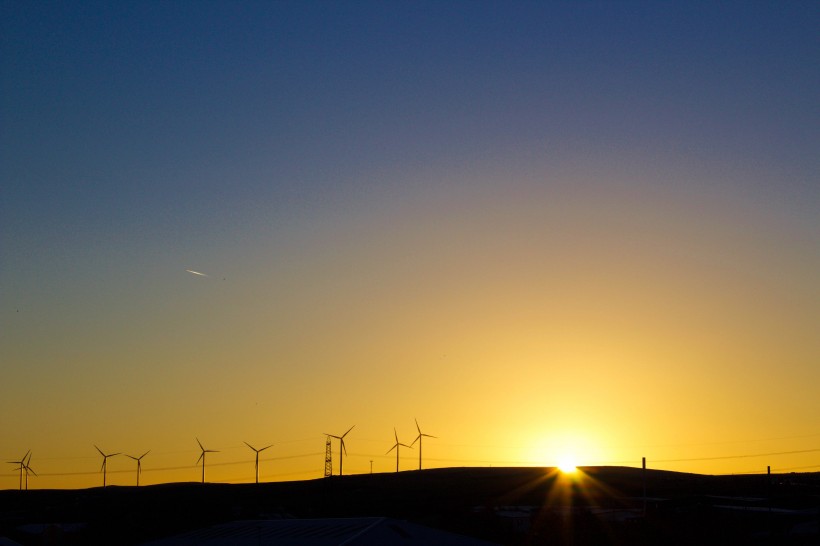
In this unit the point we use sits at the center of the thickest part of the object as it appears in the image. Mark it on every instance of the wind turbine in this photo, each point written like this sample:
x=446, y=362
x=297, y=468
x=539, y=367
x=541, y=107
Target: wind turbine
x=24, y=467
x=28, y=468
x=202, y=457
x=139, y=464
x=396, y=447
x=342, y=447
x=257, y=457
x=105, y=461
x=418, y=439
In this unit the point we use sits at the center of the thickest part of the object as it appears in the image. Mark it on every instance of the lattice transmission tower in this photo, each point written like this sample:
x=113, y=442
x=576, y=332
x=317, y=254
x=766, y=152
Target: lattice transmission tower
x=328, y=459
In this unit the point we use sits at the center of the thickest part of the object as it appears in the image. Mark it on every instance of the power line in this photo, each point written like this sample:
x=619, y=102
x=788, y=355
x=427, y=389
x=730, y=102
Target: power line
x=723, y=442
x=736, y=456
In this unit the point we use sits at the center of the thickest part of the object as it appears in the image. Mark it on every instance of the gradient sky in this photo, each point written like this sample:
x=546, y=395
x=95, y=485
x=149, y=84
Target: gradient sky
x=551, y=228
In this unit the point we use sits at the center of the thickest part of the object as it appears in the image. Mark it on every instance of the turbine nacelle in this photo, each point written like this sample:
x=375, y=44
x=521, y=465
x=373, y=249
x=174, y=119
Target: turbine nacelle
x=257, y=450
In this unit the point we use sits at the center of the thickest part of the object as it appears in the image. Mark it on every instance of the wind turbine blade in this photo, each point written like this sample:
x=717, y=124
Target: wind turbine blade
x=429, y=436
x=131, y=457
x=405, y=445
x=391, y=449
x=266, y=447
x=348, y=430
x=250, y=446
x=200, y=444
x=144, y=454
x=201, y=456
x=102, y=468
x=29, y=469
x=100, y=450
x=417, y=425
x=416, y=440
x=343, y=444
x=396, y=434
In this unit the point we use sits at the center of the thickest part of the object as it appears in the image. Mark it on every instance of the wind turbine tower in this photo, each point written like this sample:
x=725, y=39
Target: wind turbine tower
x=257, y=457
x=396, y=447
x=418, y=439
x=202, y=457
x=105, y=457
x=139, y=464
x=342, y=448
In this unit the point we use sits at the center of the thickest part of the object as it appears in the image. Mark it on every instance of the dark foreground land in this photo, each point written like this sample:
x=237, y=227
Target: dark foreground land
x=516, y=506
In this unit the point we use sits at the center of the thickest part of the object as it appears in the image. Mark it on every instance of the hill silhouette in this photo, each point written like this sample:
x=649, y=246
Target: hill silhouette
x=598, y=505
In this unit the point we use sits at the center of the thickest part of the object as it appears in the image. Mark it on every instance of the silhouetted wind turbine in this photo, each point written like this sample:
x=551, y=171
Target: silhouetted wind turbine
x=105, y=461
x=202, y=457
x=418, y=439
x=139, y=464
x=257, y=457
x=28, y=469
x=342, y=447
x=23, y=468
x=396, y=447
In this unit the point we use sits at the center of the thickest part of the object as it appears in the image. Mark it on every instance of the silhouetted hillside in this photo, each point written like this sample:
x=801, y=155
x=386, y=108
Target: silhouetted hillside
x=506, y=505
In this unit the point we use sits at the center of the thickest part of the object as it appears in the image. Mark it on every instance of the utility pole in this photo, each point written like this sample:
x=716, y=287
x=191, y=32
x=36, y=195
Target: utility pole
x=769, y=487
x=643, y=463
x=328, y=459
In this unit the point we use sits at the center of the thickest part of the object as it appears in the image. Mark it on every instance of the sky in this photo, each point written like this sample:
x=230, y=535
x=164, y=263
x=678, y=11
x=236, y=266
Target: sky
x=545, y=230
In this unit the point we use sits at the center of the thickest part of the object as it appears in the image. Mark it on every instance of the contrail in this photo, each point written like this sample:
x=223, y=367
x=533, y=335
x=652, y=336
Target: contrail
x=196, y=273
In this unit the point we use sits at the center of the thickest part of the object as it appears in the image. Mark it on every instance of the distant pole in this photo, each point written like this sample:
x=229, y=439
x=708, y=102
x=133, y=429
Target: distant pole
x=769, y=486
x=643, y=473
x=371, y=466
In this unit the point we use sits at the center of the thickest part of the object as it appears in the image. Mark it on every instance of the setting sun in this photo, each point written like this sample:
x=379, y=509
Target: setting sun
x=567, y=465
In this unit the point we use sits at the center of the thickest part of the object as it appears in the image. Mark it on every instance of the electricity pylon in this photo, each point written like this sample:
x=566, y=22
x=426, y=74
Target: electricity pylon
x=328, y=459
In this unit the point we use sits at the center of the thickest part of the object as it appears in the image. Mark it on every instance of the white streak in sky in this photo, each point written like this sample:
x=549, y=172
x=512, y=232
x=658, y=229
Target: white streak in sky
x=196, y=273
